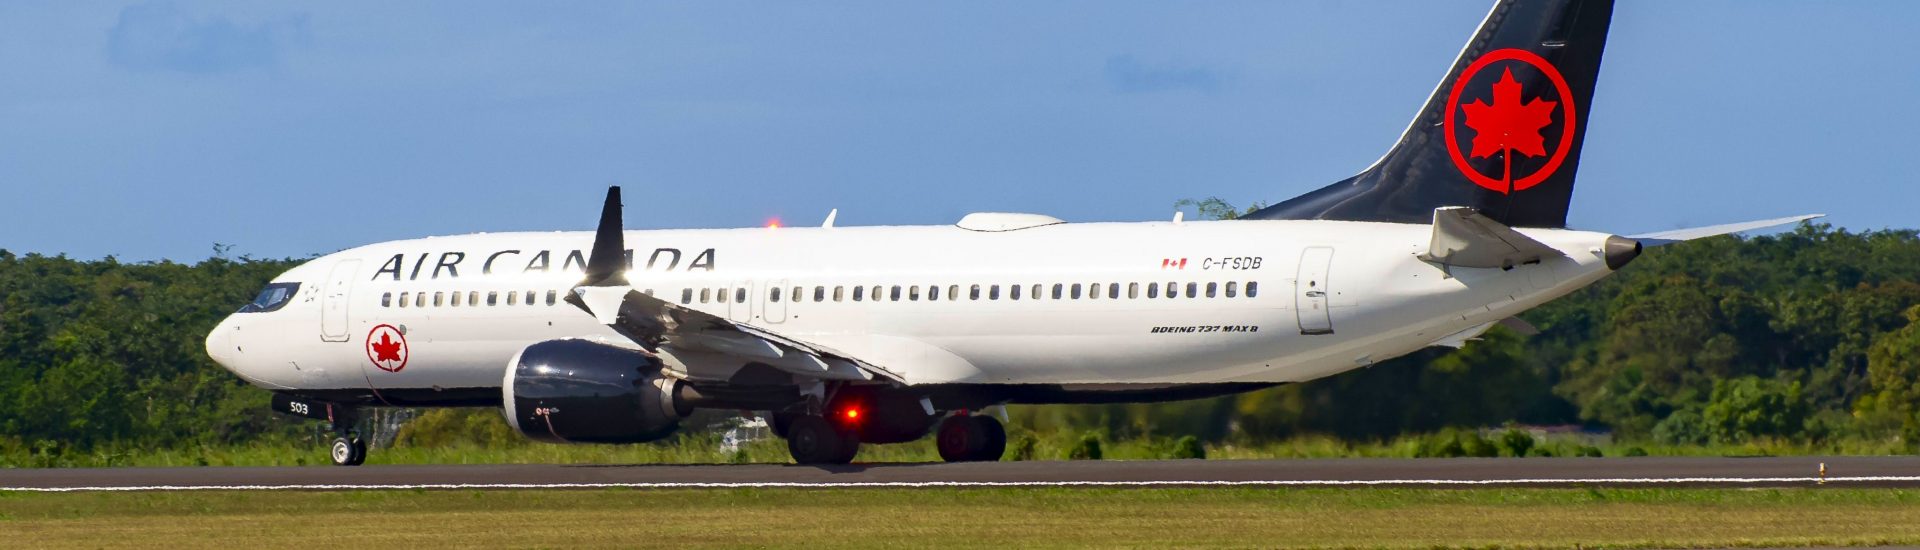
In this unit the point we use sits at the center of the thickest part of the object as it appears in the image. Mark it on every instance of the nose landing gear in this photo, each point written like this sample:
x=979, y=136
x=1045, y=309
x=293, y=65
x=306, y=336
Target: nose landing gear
x=348, y=450
x=971, y=438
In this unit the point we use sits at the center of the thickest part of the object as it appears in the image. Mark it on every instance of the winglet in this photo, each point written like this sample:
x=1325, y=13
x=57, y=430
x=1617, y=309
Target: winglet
x=609, y=259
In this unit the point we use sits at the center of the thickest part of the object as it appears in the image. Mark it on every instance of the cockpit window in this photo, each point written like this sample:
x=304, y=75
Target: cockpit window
x=275, y=296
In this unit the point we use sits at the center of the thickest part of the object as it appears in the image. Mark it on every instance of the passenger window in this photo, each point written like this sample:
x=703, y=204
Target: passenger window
x=1133, y=291
x=511, y=298
x=895, y=296
x=1253, y=288
x=473, y=298
x=819, y=294
x=1036, y=291
x=1212, y=288
x=933, y=292
x=493, y=298
x=773, y=294
x=455, y=301
x=553, y=296
x=1076, y=291
x=1173, y=289
x=530, y=298
x=975, y=293
x=439, y=298
x=859, y=291
x=878, y=293
x=1113, y=291
x=1093, y=291
x=386, y=299
x=838, y=292
x=1056, y=290
x=420, y=300
x=1193, y=290
x=740, y=295
x=1013, y=292
x=993, y=293
x=799, y=294
x=706, y=294
x=913, y=293
x=953, y=292
x=403, y=299
x=1231, y=287
x=1153, y=290
x=721, y=295
x=686, y=296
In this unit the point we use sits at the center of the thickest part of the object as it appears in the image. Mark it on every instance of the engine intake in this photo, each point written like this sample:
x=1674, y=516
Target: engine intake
x=578, y=391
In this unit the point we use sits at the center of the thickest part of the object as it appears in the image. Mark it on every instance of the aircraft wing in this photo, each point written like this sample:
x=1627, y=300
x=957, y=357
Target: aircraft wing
x=656, y=324
x=1677, y=235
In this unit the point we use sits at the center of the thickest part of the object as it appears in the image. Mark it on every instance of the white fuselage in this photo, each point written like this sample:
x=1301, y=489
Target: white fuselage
x=1271, y=301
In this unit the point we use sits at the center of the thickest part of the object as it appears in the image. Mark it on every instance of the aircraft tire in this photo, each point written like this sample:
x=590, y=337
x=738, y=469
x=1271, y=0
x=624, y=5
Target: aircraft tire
x=813, y=440
x=959, y=439
x=347, y=452
x=993, y=438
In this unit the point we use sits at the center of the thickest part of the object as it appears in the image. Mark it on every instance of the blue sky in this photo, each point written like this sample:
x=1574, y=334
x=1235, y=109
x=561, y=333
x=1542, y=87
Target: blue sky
x=153, y=130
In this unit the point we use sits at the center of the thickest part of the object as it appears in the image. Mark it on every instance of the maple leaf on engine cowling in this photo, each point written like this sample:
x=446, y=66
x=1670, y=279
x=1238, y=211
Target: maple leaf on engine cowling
x=1507, y=124
x=386, y=349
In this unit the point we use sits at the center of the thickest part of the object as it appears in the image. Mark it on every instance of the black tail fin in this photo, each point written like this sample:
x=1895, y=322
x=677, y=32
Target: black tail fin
x=1500, y=134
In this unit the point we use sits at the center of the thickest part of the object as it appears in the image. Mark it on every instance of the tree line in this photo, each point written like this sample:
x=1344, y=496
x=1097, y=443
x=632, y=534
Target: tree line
x=1809, y=335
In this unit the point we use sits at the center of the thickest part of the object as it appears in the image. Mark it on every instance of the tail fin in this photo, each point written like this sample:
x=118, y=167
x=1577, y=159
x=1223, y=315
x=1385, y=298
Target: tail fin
x=1501, y=134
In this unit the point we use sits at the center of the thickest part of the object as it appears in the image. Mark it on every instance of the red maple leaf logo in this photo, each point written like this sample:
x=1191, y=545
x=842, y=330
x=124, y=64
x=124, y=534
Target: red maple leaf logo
x=386, y=349
x=1508, y=125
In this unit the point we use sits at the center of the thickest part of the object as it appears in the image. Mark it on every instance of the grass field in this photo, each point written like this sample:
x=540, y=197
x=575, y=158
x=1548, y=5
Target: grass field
x=968, y=518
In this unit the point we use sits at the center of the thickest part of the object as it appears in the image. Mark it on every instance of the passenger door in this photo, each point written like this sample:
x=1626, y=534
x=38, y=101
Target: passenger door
x=333, y=301
x=1311, y=289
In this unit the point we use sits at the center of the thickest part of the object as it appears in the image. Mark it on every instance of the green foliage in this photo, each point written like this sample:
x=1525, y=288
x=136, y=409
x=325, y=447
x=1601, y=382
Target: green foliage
x=1747, y=407
x=1515, y=442
x=1188, y=447
x=1087, y=449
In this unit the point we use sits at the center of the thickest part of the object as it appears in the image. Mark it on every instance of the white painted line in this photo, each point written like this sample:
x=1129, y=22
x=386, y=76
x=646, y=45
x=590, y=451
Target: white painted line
x=966, y=484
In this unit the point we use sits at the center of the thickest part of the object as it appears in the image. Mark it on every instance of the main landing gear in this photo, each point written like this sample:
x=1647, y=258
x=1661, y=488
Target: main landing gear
x=815, y=440
x=971, y=438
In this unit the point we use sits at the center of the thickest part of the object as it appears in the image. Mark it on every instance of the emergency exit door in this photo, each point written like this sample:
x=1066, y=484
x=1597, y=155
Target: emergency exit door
x=1311, y=289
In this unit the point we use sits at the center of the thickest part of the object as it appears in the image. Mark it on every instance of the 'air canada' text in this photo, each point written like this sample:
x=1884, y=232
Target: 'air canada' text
x=449, y=264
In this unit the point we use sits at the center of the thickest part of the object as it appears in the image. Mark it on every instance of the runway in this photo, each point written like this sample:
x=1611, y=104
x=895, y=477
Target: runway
x=1900, y=471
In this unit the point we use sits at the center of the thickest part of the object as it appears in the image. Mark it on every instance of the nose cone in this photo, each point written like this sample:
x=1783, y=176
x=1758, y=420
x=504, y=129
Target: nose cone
x=220, y=345
x=1620, y=250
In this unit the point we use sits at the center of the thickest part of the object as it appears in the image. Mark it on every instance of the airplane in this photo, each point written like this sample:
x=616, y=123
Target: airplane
x=873, y=335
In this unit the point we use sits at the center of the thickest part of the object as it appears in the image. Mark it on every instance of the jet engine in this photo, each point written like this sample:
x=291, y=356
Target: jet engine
x=579, y=391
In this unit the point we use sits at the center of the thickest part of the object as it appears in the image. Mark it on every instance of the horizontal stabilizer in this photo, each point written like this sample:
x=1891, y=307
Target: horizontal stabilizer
x=1463, y=237
x=1678, y=235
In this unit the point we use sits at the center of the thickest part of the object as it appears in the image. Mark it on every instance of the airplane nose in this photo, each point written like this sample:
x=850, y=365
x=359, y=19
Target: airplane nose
x=220, y=344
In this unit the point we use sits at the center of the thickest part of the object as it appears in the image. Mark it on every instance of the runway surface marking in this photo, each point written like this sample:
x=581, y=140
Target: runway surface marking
x=989, y=484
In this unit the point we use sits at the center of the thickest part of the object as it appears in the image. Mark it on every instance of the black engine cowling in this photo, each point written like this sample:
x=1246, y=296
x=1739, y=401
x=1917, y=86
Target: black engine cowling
x=578, y=391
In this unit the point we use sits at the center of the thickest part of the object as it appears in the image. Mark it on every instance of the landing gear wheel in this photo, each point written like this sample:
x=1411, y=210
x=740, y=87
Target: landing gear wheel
x=814, y=440
x=348, y=451
x=993, y=438
x=959, y=439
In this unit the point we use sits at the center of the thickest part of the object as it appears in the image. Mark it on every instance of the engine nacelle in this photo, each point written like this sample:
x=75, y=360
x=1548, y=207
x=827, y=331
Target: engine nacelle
x=578, y=391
